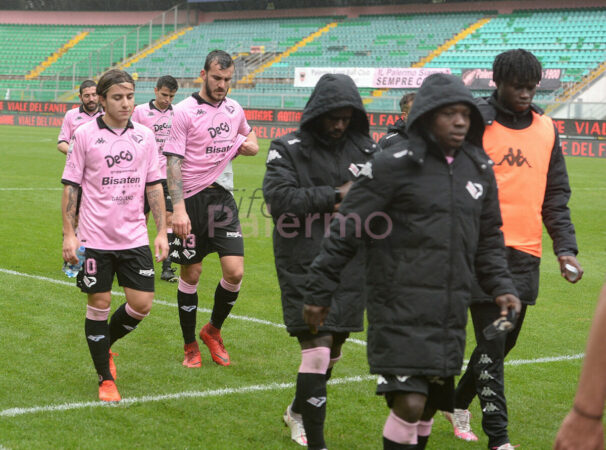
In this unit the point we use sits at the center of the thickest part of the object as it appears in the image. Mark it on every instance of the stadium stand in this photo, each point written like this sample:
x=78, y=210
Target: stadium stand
x=268, y=49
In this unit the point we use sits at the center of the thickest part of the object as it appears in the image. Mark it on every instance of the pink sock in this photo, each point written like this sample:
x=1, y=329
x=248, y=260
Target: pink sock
x=93, y=313
x=134, y=314
x=315, y=360
x=424, y=428
x=399, y=431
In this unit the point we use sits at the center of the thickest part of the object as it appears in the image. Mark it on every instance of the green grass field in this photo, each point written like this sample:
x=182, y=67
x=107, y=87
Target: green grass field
x=48, y=388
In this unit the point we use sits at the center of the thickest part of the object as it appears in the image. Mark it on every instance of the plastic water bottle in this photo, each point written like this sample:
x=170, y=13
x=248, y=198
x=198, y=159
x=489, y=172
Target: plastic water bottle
x=71, y=270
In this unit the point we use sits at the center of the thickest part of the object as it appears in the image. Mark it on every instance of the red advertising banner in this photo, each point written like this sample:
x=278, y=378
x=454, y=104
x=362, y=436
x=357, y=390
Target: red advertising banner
x=581, y=128
x=36, y=107
x=589, y=148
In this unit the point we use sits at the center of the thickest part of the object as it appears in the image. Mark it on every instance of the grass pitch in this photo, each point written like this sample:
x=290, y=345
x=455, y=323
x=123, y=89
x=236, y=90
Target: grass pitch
x=48, y=389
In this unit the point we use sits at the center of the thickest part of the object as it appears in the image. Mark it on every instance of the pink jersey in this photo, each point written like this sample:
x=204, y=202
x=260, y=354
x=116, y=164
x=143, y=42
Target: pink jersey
x=207, y=137
x=113, y=167
x=72, y=120
x=159, y=122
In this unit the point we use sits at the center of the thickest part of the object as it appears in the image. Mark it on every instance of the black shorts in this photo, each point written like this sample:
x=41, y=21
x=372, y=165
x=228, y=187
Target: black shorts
x=215, y=227
x=439, y=391
x=167, y=200
x=134, y=268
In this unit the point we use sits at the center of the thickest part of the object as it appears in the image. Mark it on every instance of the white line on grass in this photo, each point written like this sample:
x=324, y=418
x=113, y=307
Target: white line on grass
x=12, y=412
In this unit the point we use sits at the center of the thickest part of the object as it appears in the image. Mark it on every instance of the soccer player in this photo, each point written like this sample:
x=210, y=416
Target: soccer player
x=208, y=131
x=428, y=215
x=308, y=174
x=157, y=115
x=582, y=428
x=398, y=129
x=116, y=163
x=89, y=110
x=533, y=186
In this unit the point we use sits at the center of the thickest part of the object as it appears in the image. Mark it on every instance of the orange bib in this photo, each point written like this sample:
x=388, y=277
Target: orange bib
x=521, y=161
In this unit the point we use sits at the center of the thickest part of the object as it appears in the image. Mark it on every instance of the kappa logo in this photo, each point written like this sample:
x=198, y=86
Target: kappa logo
x=490, y=408
x=188, y=308
x=366, y=170
x=128, y=327
x=273, y=154
x=475, y=189
x=294, y=141
x=175, y=254
x=402, y=378
x=316, y=401
x=89, y=281
x=146, y=272
x=233, y=234
x=485, y=376
x=95, y=337
x=381, y=380
x=189, y=254
x=487, y=392
x=517, y=159
x=176, y=241
x=78, y=118
x=230, y=109
x=484, y=359
x=100, y=141
x=436, y=380
x=150, y=113
x=200, y=112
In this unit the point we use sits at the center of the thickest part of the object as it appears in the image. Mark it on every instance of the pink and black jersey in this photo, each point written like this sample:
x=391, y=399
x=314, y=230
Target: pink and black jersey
x=159, y=122
x=72, y=120
x=207, y=137
x=113, y=167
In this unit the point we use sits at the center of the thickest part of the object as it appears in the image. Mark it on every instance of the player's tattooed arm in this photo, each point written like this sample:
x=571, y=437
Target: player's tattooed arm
x=155, y=198
x=68, y=211
x=174, y=178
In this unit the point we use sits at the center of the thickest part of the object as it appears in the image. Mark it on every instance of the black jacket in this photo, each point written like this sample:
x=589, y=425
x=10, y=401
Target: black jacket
x=555, y=212
x=395, y=134
x=434, y=225
x=303, y=170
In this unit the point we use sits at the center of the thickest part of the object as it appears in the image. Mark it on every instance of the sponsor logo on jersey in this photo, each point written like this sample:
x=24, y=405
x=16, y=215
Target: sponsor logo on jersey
x=213, y=149
x=475, y=189
x=219, y=130
x=107, y=181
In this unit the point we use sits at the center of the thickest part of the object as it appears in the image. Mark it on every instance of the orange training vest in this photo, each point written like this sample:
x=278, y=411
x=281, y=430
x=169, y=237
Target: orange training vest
x=521, y=161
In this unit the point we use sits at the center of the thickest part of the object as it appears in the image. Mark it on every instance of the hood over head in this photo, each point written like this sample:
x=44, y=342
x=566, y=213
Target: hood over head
x=334, y=91
x=438, y=90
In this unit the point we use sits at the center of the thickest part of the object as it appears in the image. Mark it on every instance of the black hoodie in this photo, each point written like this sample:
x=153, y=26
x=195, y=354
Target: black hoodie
x=434, y=225
x=303, y=169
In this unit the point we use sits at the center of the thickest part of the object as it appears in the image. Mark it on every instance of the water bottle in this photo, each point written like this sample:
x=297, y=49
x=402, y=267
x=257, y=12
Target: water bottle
x=71, y=270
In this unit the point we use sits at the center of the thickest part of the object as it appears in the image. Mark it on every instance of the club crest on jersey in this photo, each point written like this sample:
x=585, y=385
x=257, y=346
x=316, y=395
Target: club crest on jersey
x=366, y=170
x=475, y=189
x=356, y=169
x=137, y=138
x=189, y=254
x=89, y=281
x=230, y=109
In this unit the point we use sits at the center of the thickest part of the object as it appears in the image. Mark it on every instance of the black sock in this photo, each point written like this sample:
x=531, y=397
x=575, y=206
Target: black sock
x=188, y=307
x=421, y=442
x=295, y=406
x=391, y=445
x=97, y=337
x=328, y=373
x=121, y=324
x=224, y=302
x=166, y=264
x=311, y=390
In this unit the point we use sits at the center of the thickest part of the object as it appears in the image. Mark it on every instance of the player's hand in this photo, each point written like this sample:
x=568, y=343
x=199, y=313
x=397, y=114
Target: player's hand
x=566, y=273
x=314, y=316
x=249, y=147
x=579, y=433
x=70, y=246
x=181, y=223
x=161, y=247
x=507, y=302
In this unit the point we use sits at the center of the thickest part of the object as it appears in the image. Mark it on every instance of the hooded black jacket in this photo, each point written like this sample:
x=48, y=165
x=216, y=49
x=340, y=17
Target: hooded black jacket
x=434, y=225
x=395, y=134
x=303, y=170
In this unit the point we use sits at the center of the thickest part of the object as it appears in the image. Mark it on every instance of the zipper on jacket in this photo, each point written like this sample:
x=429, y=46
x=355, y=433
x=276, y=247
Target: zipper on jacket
x=450, y=257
